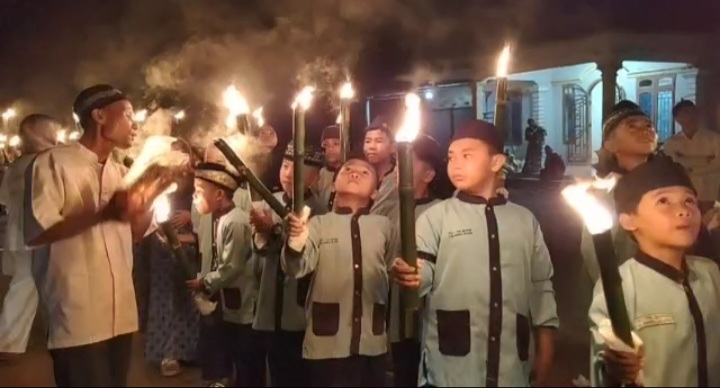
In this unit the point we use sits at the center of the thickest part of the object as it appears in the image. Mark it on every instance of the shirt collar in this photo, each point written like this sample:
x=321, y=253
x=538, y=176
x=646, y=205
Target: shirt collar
x=85, y=152
x=286, y=198
x=424, y=201
x=478, y=200
x=663, y=269
x=331, y=168
x=347, y=210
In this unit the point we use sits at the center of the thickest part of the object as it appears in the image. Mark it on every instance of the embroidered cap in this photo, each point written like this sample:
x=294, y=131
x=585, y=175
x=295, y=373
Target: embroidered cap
x=330, y=132
x=652, y=175
x=621, y=111
x=96, y=97
x=313, y=156
x=217, y=174
x=483, y=131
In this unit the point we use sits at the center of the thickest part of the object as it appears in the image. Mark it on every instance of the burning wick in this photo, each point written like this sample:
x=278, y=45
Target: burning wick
x=8, y=114
x=304, y=98
x=180, y=115
x=339, y=118
x=141, y=116
x=236, y=104
x=411, y=125
x=347, y=92
x=258, y=115
x=503, y=63
x=596, y=217
x=14, y=141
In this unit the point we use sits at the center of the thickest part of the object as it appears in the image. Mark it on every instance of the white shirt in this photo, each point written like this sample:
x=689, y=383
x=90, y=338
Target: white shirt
x=85, y=281
x=12, y=194
x=700, y=155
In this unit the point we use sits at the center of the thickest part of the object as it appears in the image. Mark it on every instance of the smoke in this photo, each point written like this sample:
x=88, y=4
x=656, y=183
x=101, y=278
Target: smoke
x=158, y=123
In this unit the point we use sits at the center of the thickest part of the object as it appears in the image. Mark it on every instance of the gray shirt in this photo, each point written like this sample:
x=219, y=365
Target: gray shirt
x=387, y=202
x=325, y=184
x=487, y=275
x=281, y=299
x=350, y=255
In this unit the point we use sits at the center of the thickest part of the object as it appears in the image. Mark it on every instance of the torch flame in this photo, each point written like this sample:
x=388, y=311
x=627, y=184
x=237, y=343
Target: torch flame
x=14, y=141
x=76, y=118
x=236, y=105
x=304, y=98
x=9, y=113
x=141, y=116
x=180, y=115
x=339, y=119
x=3, y=138
x=595, y=215
x=258, y=115
x=411, y=124
x=74, y=135
x=61, y=136
x=347, y=92
x=503, y=63
x=161, y=206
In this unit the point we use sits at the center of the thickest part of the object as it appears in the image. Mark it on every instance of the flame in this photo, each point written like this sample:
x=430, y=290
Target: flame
x=9, y=113
x=339, y=119
x=61, y=136
x=304, y=98
x=3, y=138
x=347, y=92
x=156, y=149
x=141, y=116
x=74, y=135
x=411, y=123
x=14, y=141
x=180, y=115
x=258, y=115
x=236, y=105
x=503, y=63
x=595, y=215
x=76, y=118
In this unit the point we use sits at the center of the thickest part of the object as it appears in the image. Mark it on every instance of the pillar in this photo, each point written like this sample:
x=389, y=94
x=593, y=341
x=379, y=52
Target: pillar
x=707, y=95
x=608, y=71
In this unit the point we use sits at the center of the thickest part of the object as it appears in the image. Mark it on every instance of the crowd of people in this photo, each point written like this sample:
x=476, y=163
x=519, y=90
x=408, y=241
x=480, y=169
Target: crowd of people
x=316, y=298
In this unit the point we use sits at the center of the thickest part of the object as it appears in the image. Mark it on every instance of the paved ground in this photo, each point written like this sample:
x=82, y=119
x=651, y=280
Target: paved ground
x=562, y=233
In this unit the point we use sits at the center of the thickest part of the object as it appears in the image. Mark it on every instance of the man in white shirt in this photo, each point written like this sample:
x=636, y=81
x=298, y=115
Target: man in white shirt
x=698, y=151
x=38, y=133
x=80, y=217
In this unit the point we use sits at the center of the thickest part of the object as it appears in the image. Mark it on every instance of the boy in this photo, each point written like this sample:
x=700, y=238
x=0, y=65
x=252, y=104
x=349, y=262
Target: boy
x=281, y=301
x=673, y=299
x=333, y=159
x=226, y=336
x=349, y=252
x=379, y=150
x=427, y=163
x=487, y=272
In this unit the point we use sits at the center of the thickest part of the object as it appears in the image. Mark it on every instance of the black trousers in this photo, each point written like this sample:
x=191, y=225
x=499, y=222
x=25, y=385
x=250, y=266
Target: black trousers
x=248, y=352
x=353, y=371
x=102, y=364
x=287, y=366
x=406, y=363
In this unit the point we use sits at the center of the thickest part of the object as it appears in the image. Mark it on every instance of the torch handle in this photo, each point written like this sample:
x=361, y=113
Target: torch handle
x=299, y=162
x=344, y=129
x=243, y=123
x=612, y=287
x=411, y=298
x=254, y=182
x=187, y=266
x=501, y=107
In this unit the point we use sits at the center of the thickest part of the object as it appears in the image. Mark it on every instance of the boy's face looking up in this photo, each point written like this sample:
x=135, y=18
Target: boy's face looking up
x=287, y=177
x=208, y=197
x=666, y=218
x=634, y=136
x=472, y=164
x=358, y=178
x=378, y=147
x=332, y=151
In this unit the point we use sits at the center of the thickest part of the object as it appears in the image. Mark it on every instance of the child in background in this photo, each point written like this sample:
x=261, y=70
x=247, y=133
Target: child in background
x=333, y=160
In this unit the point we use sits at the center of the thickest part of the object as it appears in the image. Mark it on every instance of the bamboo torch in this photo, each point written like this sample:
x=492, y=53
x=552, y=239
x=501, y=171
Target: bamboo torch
x=404, y=138
x=300, y=106
x=599, y=222
x=501, y=94
x=238, y=110
x=346, y=95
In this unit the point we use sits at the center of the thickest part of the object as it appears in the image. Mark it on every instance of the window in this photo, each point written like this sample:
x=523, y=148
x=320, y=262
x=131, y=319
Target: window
x=514, y=111
x=576, y=124
x=656, y=97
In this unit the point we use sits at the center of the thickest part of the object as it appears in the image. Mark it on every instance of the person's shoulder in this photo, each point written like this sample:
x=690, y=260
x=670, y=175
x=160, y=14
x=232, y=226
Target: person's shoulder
x=60, y=153
x=702, y=264
x=237, y=217
x=520, y=211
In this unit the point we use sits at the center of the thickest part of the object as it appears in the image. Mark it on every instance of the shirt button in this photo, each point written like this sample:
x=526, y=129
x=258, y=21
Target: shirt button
x=492, y=339
x=357, y=319
x=357, y=292
x=496, y=305
x=492, y=236
x=357, y=266
x=355, y=236
x=495, y=269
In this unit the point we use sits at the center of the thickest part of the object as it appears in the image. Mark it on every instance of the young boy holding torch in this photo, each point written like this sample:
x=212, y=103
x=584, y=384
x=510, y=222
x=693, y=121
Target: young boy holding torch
x=487, y=272
x=349, y=252
x=227, y=339
x=330, y=142
x=672, y=299
x=281, y=300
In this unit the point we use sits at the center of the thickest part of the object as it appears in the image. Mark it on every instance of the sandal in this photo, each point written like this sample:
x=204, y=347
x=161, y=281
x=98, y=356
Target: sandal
x=170, y=368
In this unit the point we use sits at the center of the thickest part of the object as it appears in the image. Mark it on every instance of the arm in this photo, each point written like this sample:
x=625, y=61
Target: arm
x=427, y=234
x=543, y=308
x=299, y=257
x=234, y=257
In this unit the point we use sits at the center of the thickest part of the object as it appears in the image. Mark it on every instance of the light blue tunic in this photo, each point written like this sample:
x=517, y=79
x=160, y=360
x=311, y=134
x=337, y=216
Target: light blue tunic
x=488, y=278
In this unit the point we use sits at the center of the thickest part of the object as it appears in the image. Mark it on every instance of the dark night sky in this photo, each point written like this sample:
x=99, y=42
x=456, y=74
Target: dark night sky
x=187, y=51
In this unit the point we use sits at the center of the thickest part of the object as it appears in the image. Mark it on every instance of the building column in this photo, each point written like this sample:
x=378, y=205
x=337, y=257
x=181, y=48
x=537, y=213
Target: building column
x=707, y=95
x=608, y=72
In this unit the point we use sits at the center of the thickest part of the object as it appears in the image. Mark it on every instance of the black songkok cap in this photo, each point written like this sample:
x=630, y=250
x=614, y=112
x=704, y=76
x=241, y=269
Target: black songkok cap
x=427, y=149
x=217, y=174
x=620, y=112
x=656, y=174
x=96, y=97
x=313, y=156
x=483, y=131
x=330, y=132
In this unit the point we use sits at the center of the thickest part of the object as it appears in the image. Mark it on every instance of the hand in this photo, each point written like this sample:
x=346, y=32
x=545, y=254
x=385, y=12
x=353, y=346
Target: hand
x=126, y=206
x=623, y=367
x=406, y=275
x=262, y=220
x=194, y=285
x=296, y=226
x=180, y=219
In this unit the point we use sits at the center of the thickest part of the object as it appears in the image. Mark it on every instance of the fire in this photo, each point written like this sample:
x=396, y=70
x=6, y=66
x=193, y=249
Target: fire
x=258, y=115
x=503, y=63
x=156, y=149
x=347, y=92
x=74, y=135
x=161, y=207
x=61, y=136
x=76, y=118
x=411, y=123
x=9, y=113
x=3, y=139
x=304, y=98
x=14, y=141
x=339, y=119
x=180, y=115
x=594, y=214
x=141, y=116
x=236, y=105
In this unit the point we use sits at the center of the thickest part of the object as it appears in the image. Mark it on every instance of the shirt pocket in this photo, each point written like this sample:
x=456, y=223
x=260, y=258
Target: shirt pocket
x=454, y=332
x=379, y=319
x=232, y=298
x=325, y=319
x=522, y=330
x=303, y=287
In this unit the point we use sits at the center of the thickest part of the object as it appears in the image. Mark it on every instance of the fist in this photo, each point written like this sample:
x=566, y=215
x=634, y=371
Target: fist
x=296, y=225
x=623, y=367
x=261, y=220
x=406, y=275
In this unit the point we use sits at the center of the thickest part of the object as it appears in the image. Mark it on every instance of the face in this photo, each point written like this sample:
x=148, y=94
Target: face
x=633, y=136
x=268, y=137
x=423, y=173
x=471, y=163
x=207, y=197
x=668, y=217
x=117, y=123
x=378, y=147
x=358, y=178
x=687, y=118
x=287, y=170
x=332, y=151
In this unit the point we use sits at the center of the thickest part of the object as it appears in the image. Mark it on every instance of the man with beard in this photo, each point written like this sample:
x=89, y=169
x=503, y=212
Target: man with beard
x=81, y=220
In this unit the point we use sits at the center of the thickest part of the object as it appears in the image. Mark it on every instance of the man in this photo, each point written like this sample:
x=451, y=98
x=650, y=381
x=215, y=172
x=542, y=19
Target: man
x=38, y=133
x=81, y=219
x=379, y=149
x=535, y=136
x=698, y=150
x=330, y=142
